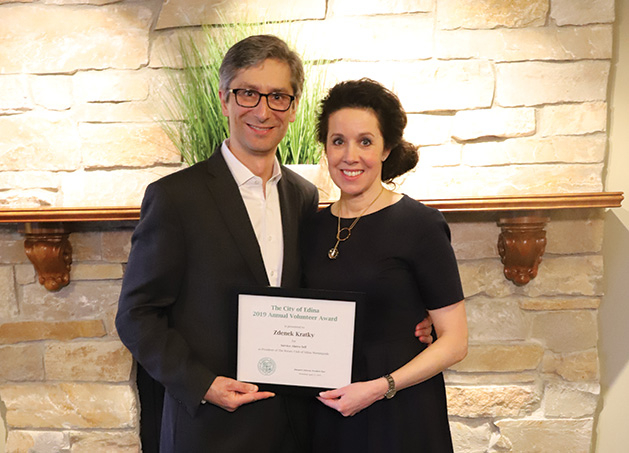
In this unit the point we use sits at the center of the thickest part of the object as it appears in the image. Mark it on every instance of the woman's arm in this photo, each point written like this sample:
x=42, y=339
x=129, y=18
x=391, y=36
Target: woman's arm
x=450, y=347
x=450, y=323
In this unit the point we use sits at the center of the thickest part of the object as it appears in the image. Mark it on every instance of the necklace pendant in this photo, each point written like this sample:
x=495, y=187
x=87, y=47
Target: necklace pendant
x=333, y=253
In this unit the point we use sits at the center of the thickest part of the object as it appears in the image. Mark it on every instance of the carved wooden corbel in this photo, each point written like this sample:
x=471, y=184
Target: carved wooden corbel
x=48, y=248
x=521, y=245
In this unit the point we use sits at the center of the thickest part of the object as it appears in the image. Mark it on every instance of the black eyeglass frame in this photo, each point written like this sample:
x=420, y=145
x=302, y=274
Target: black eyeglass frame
x=266, y=95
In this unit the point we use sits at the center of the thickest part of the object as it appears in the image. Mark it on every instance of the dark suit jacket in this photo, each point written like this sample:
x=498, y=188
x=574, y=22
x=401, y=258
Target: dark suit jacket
x=193, y=246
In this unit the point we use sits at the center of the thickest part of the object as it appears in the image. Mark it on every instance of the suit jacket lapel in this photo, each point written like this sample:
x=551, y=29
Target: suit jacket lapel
x=290, y=230
x=232, y=208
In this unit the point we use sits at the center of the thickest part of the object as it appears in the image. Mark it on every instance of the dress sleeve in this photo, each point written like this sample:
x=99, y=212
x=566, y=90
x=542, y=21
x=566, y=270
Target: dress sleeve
x=433, y=260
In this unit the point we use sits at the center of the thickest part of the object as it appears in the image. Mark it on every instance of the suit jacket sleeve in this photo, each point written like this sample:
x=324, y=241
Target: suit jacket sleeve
x=150, y=287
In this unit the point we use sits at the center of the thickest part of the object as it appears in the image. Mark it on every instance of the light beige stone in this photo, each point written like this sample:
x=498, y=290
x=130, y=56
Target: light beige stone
x=107, y=361
x=470, y=437
x=118, y=112
x=535, y=43
x=117, y=245
x=39, y=141
x=21, y=363
x=86, y=246
x=363, y=38
x=500, y=358
x=582, y=12
x=447, y=85
x=112, y=86
x=570, y=400
x=161, y=81
x=492, y=401
x=109, y=318
x=463, y=181
x=126, y=145
x=12, y=246
x=453, y=14
x=14, y=94
x=562, y=303
x=566, y=331
x=79, y=300
x=165, y=49
x=531, y=83
x=499, y=319
x=24, y=274
x=8, y=299
x=53, y=92
x=24, y=441
x=425, y=130
x=567, y=235
x=572, y=119
x=497, y=122
x=557, y=149
x=181, y=13
x=558, y=436
x=440, y=156
x=474, y=240
x=69, y=405
x=568, y=276
x=99, y=271
x=484, y=277
x=475, y=379
x=113, y=441
x=24, y=179
x=29, y=198
x=365, y=7
x=426, y=86
x=81, y=2
x=575, y=366
x=47, y=39
x=16, y=332
x=109, y=188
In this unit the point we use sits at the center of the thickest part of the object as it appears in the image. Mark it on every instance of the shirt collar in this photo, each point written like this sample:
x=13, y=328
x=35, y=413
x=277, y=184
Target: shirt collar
x=240, y=172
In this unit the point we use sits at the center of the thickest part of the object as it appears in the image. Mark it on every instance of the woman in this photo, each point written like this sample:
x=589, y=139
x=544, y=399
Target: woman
x=397, y=252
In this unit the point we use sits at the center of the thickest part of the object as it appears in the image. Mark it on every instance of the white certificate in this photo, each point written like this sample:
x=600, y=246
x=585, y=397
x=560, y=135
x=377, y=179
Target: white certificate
x=295, y=341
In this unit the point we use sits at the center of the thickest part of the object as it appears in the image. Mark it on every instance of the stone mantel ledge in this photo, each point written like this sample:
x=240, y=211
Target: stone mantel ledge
x=521, y=243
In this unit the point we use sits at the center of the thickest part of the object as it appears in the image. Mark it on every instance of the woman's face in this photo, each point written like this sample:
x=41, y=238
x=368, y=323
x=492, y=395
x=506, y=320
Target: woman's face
x=355, y=151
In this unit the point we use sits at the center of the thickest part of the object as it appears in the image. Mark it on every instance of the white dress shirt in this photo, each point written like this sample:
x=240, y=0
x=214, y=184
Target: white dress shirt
x=264, y=212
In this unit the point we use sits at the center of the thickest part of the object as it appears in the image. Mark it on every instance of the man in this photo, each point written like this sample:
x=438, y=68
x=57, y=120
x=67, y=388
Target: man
x=230, y=221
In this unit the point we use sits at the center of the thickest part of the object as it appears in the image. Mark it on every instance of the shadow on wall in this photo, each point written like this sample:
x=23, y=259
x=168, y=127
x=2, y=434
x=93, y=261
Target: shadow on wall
x=614, y=311
x=613, y=352
x=3, y=430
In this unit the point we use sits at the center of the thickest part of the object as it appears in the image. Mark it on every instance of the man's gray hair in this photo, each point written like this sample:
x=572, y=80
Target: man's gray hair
x=254, y=50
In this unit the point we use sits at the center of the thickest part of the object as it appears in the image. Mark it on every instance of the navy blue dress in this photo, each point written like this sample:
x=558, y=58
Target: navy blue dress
x=401, y=259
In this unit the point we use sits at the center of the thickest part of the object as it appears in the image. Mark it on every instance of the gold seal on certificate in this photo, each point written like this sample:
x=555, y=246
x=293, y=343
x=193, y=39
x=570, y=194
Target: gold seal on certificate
x=290, y=339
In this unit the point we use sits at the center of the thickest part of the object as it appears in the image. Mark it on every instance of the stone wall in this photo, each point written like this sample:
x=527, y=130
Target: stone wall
x=65, y=378
x=513, y=94
x=504, y=97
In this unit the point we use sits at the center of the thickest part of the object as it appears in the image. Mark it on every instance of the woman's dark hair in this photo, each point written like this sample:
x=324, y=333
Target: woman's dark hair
x=369, y=94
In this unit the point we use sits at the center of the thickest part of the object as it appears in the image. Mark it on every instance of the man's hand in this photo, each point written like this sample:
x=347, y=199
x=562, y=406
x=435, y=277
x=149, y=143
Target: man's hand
x=230, y=394
x=423, y=330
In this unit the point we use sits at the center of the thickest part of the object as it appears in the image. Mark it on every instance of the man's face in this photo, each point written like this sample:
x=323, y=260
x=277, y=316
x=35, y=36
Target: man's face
x=258, y=130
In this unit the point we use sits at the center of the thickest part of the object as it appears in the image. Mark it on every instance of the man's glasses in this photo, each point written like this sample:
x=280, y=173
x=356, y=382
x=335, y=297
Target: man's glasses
x=280, y=102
